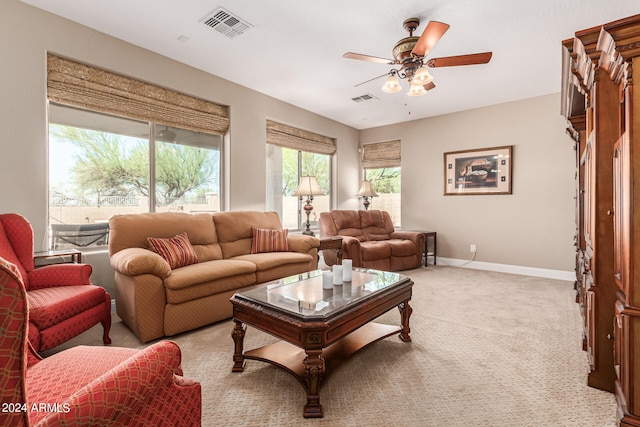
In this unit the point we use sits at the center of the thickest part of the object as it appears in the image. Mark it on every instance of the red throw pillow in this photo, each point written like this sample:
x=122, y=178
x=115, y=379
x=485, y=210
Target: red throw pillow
x=177, y=250
x=268, y=240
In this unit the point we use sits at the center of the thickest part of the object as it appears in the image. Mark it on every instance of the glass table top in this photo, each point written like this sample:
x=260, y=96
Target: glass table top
x=303, y=295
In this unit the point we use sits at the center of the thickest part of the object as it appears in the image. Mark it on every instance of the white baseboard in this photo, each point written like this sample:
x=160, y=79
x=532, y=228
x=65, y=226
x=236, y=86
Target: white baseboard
x=506, y=268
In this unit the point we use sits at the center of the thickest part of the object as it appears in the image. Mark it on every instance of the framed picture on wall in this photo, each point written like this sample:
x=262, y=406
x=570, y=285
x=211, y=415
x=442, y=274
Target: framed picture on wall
x=479, y=171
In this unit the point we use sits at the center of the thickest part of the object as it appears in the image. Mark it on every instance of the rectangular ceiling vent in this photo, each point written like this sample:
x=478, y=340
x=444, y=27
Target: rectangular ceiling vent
x=226, y=23
x=364, y=98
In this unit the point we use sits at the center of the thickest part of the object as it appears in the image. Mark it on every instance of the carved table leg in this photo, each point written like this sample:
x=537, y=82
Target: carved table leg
x=238, y=339
x=405, y=313
x=314, y=367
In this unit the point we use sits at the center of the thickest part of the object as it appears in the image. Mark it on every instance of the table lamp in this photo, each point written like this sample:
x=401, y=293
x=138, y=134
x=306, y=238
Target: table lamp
x=308, y=186
x=366, y=191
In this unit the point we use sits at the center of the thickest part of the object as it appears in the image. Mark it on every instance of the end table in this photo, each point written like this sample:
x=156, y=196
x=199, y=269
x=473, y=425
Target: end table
x=74, y=254
x=334, y=242
x=427, y=253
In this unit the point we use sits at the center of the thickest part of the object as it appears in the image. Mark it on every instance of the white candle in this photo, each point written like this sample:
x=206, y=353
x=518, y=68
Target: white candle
x=347, y=267
x=327, y=281
x=337, y=275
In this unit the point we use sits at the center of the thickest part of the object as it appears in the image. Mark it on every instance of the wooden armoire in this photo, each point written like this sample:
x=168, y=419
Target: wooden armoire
x=604, y=122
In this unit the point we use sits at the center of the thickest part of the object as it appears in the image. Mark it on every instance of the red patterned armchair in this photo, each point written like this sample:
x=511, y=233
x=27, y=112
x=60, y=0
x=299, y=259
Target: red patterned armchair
x=87, y=386
x=63, y=302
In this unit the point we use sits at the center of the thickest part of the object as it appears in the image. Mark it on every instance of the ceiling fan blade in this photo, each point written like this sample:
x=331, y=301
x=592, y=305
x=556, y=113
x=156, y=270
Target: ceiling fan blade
x=453, y=61
x=429, y=37
x=370, y=80
x=429, y=86
x=368, y=58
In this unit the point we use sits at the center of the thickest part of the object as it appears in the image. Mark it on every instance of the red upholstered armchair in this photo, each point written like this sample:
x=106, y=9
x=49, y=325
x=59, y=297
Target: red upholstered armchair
x=87, y=386
x=63, y=302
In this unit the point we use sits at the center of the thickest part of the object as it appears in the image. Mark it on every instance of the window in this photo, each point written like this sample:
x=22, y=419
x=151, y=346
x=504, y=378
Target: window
x=127, y=146
x=187, y=170
x=381, y=163
x=101, y=165
x=386, y=182
x=284, y=169
x=292, y=153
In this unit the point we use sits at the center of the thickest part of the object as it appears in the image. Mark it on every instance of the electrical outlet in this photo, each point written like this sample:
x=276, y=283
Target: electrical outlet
x=473, y=248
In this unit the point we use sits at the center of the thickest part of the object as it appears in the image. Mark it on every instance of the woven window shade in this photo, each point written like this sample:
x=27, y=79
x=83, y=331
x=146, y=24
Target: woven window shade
x=298, y=139
x=79, y=85
x=381, y=155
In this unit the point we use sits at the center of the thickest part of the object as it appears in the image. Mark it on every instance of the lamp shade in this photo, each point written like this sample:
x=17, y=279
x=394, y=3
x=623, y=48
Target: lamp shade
x=366, y=190
x=308, y=186
x=392, y=85
x=422, y=77
x=416, y=90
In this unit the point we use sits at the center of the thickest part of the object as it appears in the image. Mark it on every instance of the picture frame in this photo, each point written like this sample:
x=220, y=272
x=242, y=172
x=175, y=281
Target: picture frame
x=479, y=171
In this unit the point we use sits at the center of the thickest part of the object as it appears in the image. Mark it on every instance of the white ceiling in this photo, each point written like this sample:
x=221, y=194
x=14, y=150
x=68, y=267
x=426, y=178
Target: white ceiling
x=293, y=49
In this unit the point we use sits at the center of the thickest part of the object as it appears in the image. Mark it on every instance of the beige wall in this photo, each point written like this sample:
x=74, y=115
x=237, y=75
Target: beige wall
x=532, y=227
x=27, y=34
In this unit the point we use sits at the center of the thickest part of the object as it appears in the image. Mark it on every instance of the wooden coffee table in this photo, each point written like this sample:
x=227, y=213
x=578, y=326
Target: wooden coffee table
x=319, y=328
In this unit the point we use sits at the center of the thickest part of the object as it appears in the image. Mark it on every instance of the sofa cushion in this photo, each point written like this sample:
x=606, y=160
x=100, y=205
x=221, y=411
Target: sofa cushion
x=265, y=261
x=177, y=250
x=374, y=250
x=235, y=229
x=208, y=278
x=268, y=240
x=50, y=306
x=276, y=265
x=207, y=271
x=132, y=230
x=402, y=248
x=376, y=225
x=347, y=223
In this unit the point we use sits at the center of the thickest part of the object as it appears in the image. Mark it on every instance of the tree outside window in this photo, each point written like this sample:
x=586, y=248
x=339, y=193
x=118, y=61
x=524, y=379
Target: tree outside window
x=100, y=165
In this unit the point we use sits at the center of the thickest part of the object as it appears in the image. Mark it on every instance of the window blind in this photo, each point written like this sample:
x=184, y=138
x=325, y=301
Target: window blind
x=79, y=85
x=381, y=155
x=298, y=139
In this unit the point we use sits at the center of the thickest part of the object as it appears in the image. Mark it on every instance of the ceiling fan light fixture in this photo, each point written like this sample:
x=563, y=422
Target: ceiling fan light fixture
x=422, y=77
x=392, y=85
x=416, y=90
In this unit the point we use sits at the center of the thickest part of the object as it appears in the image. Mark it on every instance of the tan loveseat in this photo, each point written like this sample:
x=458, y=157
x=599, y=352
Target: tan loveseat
x=155, y=301
x=370, y=240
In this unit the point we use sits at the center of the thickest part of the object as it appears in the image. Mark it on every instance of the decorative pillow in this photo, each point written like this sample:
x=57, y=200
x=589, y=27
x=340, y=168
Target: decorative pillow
x=268, y=240
x=177, y=250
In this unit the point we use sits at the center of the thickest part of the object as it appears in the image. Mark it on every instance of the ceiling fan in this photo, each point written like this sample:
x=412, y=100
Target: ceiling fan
x=410, y=52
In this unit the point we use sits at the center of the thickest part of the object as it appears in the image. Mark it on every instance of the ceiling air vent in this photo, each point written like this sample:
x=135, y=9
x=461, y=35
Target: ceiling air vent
x=365, y=97
x=226, y=23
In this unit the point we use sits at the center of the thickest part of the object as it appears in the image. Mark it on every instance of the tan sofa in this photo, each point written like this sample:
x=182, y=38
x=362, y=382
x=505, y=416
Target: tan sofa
x=371, y=241
x=156, y=301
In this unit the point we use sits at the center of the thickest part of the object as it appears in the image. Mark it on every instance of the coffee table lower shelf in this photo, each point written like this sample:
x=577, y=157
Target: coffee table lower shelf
x=290, y=357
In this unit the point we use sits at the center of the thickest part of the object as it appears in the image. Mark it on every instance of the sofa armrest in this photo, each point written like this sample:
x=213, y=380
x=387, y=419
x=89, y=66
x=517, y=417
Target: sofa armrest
x=351, y=250
x=145, y=381
x=137, y=261
x=302, y=243
x=416, y=237
x=60, y=275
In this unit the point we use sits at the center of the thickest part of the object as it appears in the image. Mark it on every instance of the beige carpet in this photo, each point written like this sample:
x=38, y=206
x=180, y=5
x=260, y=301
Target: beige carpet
x=488, y=349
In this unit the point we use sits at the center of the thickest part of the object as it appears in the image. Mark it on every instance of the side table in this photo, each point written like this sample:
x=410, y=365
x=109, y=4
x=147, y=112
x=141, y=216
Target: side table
x=74, y=255
x=334, y=242
x=427, y=253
